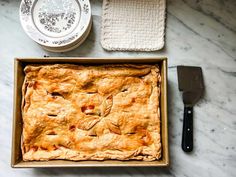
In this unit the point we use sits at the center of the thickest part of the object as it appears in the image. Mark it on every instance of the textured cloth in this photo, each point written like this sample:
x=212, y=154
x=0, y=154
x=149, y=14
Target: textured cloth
x=133, y=25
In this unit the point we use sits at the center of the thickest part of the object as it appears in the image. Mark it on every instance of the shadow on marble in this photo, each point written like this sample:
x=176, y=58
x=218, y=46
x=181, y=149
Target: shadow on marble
x=88, y=45
x=106, y=171
x=175, y=118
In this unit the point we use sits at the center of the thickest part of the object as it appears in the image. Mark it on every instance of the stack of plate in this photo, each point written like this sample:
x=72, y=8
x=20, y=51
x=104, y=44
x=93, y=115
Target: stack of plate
x=57, y=25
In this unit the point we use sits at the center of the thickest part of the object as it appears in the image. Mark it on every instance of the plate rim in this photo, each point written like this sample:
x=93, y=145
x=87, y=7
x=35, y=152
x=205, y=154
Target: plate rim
x=26, y=19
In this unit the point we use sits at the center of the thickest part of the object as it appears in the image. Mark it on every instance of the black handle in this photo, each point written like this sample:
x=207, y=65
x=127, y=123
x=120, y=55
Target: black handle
x=187, y=136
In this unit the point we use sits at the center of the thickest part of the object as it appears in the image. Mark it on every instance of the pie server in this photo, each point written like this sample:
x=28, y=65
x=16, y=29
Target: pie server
x=191, y=84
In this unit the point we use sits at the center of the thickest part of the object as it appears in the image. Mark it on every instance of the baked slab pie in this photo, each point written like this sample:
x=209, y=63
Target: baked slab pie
x=101, y=112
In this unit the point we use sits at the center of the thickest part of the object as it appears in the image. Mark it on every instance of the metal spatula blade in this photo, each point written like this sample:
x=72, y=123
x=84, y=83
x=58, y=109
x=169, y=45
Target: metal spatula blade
x=191, y=84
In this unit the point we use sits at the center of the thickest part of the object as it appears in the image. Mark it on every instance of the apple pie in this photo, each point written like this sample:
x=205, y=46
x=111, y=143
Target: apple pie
x=79, y=112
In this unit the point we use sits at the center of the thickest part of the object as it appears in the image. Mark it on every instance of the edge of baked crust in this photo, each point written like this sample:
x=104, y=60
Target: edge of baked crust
x=69, y=154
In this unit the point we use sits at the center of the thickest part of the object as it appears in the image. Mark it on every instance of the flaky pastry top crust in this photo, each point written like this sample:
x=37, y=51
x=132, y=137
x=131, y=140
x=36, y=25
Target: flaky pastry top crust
x=77, y=112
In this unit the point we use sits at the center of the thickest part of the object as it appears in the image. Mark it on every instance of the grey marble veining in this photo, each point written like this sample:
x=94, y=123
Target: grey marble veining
x=197, y=33
x=215, y=9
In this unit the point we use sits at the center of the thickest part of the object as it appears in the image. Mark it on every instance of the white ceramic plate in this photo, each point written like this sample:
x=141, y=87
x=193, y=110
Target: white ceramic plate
x=72, y=45
x=55, y=23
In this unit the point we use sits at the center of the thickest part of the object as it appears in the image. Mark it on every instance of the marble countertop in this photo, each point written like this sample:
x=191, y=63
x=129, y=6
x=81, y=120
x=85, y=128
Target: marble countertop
x=199, y=33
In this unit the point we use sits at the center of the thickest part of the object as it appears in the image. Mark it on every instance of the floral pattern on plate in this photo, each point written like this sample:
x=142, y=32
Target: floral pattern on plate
x=55, y=23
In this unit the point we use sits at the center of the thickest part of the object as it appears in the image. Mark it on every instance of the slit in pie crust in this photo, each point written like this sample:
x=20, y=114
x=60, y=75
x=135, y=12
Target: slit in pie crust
x=76, y=112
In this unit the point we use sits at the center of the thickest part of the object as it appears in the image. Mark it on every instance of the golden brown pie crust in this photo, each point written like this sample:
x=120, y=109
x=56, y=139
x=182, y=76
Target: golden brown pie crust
x=77, y=112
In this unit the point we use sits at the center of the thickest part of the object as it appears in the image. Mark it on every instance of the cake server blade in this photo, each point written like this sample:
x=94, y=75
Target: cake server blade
x=191, y=84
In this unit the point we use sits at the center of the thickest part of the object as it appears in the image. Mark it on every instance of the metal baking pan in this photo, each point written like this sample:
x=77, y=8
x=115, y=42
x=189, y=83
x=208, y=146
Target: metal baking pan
x=20, y=63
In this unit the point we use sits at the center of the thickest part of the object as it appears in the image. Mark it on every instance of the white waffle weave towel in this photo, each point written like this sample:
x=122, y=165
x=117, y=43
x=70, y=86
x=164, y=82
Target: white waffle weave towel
x=133, y=25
